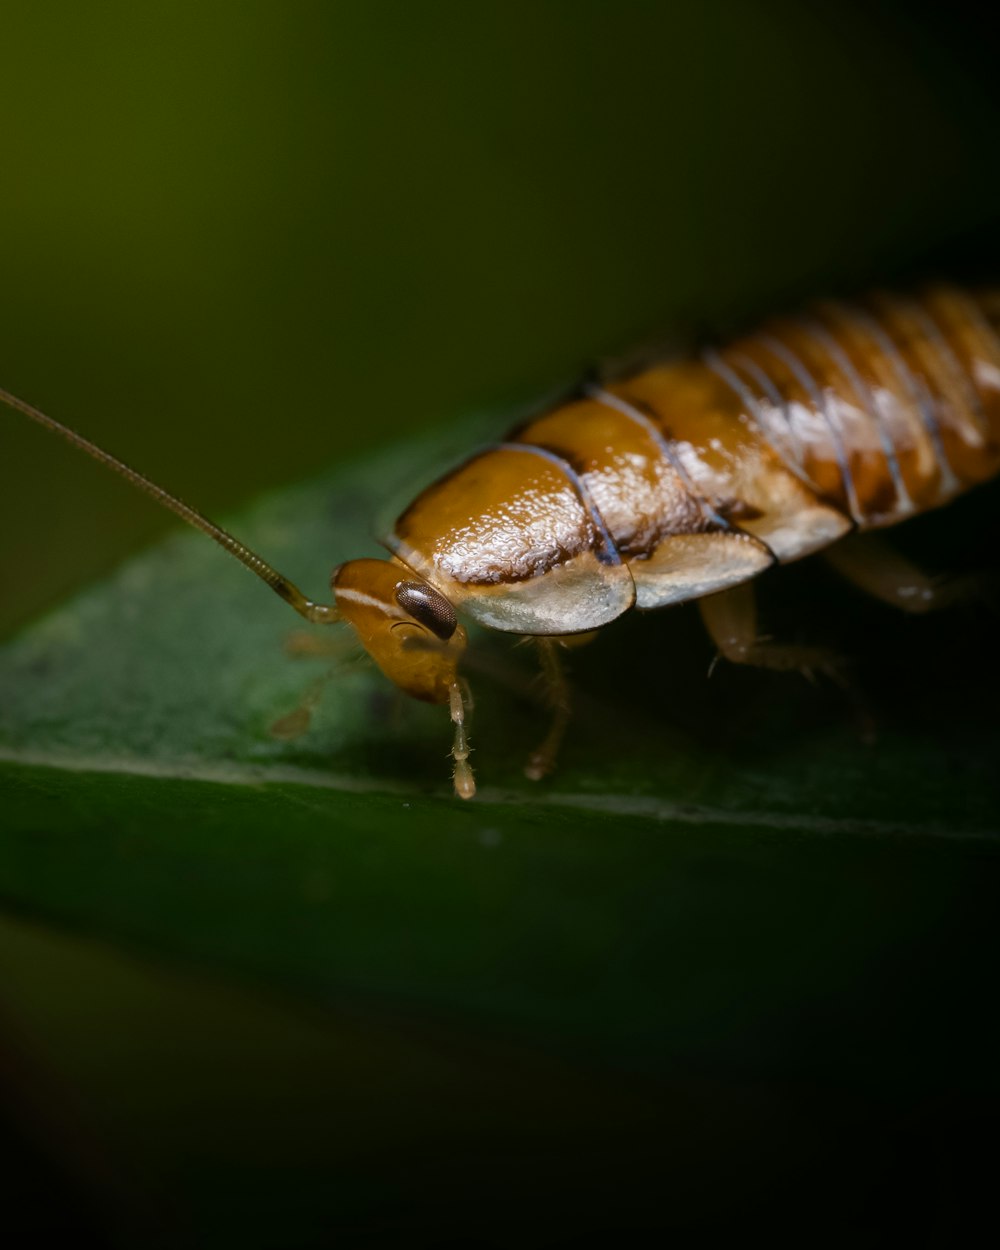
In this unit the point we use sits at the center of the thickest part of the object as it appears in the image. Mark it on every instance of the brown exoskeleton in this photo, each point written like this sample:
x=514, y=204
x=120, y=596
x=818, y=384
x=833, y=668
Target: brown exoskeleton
x=681, y=481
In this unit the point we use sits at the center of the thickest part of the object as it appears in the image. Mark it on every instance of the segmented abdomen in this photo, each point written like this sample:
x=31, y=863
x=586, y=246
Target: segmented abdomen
x=882, y=408
x=887, y=407
x=691, y=476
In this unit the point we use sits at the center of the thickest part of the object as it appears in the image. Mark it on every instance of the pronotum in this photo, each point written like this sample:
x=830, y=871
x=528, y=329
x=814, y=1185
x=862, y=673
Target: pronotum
x=682, y=480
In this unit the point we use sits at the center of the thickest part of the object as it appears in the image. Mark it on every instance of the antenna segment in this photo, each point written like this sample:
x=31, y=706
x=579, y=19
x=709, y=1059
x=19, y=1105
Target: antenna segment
x=317, y=612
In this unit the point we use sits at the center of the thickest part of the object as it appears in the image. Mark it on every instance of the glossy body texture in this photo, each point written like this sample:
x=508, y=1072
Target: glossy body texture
x=689, y=478
x=683, y=480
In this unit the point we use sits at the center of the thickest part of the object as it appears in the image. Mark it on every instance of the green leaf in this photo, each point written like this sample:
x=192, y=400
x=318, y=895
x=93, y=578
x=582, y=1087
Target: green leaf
x=145, y=798
x=723, y=878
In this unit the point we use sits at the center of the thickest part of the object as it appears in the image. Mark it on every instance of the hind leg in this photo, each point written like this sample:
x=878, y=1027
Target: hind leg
x=874, y=567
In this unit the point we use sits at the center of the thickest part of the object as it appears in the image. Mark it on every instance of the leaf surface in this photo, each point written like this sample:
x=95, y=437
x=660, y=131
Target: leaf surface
x=700, y=835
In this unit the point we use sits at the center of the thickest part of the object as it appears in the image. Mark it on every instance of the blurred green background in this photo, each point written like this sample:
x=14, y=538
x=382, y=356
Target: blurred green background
x=240, y=241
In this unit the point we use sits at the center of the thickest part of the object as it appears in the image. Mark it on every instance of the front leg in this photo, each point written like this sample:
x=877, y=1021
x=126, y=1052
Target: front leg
x=559, y=697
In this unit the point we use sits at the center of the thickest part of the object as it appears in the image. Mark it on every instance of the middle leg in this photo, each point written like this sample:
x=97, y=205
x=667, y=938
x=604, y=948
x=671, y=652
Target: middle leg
x=731, y=620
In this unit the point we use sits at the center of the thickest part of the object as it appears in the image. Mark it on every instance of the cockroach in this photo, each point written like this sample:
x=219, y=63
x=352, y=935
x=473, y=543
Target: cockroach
x=683, y=479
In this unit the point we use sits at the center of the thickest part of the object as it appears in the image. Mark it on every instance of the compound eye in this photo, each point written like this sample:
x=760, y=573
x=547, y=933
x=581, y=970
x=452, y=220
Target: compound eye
x=428, y=607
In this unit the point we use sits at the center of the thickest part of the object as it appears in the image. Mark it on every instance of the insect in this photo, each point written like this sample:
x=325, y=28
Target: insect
x=681, y=480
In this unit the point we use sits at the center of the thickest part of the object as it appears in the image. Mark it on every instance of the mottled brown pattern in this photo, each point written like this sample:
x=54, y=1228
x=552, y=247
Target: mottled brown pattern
x=847, y=415
x=977, y=349
x=891, y=392
x=504, y=516
x=891, y=404
x=810, y=440
x=728, y=459
x=866, y=463
x=639, y=493
x=942, y=381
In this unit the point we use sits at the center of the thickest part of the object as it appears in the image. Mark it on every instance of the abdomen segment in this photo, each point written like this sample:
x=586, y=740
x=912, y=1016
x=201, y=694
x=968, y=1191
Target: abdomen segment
x=687, y=478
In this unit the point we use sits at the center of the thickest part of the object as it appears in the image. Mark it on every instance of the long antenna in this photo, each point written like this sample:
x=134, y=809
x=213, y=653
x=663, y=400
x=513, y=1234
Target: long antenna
x=288, y=591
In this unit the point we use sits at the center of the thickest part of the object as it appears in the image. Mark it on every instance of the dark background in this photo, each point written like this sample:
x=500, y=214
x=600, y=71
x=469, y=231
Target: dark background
x=241, y=241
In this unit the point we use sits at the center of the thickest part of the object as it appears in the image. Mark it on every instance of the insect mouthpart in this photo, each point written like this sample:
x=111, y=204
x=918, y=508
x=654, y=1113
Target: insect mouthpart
x=412, y=633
